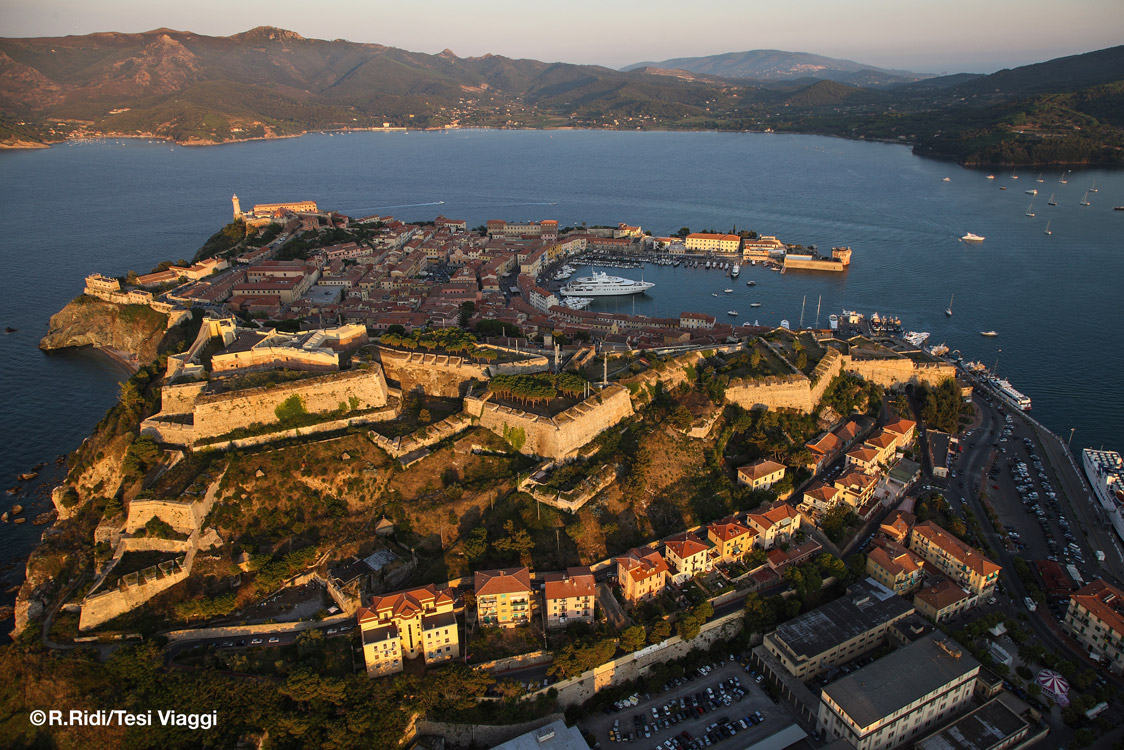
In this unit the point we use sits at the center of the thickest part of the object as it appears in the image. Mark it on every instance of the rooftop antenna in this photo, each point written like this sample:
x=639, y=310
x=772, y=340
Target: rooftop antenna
x=818, y=300
x=802, y=301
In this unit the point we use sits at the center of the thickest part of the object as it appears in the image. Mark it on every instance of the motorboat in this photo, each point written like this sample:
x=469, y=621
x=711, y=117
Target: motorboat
x=969, y=237
x=989, y=334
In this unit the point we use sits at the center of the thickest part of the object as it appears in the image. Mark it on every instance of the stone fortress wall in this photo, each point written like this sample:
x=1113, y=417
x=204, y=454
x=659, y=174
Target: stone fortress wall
x=109, y=290
x=188, y=414
x=558, y=436
x=889, y=372
x=448, y=376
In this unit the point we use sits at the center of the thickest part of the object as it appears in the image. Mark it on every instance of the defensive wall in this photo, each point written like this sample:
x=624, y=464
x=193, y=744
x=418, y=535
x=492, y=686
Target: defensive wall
x=577, y=690
x=557, y=436
x=134, y=589
x=673, y=373
x=423, y=437
x=109, y=290
x=448, y=375
x=574, y=499
x=198, y=634
x=892, y=371
x=189, y=414
x=184, y=515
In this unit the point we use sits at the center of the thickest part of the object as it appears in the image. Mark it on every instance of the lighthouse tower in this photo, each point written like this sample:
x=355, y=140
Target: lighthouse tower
x=237, y=207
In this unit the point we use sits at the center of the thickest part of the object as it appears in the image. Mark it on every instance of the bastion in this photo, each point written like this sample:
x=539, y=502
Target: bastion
x=449, y=375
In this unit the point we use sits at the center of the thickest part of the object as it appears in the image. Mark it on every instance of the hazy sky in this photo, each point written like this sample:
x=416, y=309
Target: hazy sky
x=949, y=36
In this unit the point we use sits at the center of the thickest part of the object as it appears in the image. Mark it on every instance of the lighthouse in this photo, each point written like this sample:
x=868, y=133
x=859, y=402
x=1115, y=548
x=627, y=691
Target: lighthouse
x=237, y=207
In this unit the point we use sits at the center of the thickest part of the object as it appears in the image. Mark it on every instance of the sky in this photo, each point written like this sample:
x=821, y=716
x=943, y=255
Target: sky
x=925, y=37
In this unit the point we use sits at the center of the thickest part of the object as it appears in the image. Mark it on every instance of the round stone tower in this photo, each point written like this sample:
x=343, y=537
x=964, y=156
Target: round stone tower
x=237, y=207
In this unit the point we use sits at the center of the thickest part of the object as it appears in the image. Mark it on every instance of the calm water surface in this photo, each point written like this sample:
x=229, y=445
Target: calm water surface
x=1054, y=299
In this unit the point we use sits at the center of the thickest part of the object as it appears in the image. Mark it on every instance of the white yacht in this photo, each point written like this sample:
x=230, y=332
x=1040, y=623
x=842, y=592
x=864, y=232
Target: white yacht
x=969, y=237
x=1007, y=391
x=917, y=338
x=603, y=285
x=736, y=270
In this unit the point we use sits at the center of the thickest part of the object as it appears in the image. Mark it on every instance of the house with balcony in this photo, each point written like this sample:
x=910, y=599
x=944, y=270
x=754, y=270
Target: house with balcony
x=568, y=597
x=731, y=539
x=775, y=524
x=954, y=558
x=408, y=624
x=503, y=597
x=687, y=556
x=642, y=575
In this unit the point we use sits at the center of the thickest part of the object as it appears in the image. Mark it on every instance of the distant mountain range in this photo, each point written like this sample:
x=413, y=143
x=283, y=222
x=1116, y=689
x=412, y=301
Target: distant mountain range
x=268, y=82
x=778, y=65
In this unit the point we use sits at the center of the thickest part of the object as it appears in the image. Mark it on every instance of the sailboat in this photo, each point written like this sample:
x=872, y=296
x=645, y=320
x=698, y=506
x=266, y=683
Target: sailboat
x=1085, y=200
x=1051, y=202
x=1048, y=228
x=1030, y=213
x=1013, y=175
x=948, y=310
x=1062, y=179
x=1039, y=177
x=1094, y=188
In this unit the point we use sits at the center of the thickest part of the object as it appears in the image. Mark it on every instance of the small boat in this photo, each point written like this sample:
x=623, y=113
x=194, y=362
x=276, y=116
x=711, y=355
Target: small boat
x=947, y=179
x=728, y=291
x=9, y=329
x=1013, y=175
x=948, y=310
x=1051, y=202
x=1032, y=191
x=1062, y=179
x=754, y=283
x=732, y=312
x=714, y=294
x=1003, y=188
x=1047, y=228
x=1094, y=188
x=1029, y=212
x=1118, y=208
x=991, y=177
x=989, y=334
x=1085, y=200
x=969, y=237
x=1039, y=177
x=755, y=304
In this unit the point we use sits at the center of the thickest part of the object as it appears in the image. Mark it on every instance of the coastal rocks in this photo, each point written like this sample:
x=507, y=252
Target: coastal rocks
x=133, y=330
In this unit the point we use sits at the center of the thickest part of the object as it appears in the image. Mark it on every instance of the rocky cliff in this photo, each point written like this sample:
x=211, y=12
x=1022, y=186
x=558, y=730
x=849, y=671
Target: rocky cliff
x=130, y=332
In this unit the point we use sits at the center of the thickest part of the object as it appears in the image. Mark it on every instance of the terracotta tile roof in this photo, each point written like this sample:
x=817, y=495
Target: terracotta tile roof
x=503, y=581
x=848, y=432
x=773, y=515
x=855, y=481
x=759, y=469
x=574, y=582
x=1105, y=601
x=944, y=594
x=405, y=604
x=955, y=548
x=825, y=493
x=896, y=560
x=863, y=455
x=883, y=440
x=728, y=529
x=900, y=427
x=825, y=444
x=686, y=545
x=643, y=564
x=899, y=523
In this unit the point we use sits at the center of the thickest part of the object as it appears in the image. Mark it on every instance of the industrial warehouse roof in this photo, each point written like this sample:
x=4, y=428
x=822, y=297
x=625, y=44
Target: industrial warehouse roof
x=866, y=605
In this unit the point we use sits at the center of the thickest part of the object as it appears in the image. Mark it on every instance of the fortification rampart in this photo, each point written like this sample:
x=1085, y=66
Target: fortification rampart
x=830, y=365
x=423, y=437
x=671, y=375
x=772, y=392
x=446, y=375
x=185, y=515
x=180, y=399
x=105, y=293
x=553, y=437
x=892, y=371
x=134, y=589
x=574, y=499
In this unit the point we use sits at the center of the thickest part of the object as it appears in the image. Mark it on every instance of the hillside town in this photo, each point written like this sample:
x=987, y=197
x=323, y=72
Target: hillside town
x=403, y=445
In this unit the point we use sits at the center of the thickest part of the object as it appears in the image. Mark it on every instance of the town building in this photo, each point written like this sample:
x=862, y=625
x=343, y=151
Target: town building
x=864, y=458
x=954, y=558
x=761, y=248
x=408, y=624
x=1096, y=620
x=761, y=475
x=687, y=555
x=702, y=242
x=996, y=725
x=692, y=320
x=503, y=597
x=895, y=567
x=731, y=539
x=897, y=525
x=940, y=443
x=856, y=487
x=642, y=575
x=898, y=697
x=839, y=631
x=904, y=429
x=819, y=498
x=943, y=600
x=568, y=597
x=775, y=525
x=554, y=736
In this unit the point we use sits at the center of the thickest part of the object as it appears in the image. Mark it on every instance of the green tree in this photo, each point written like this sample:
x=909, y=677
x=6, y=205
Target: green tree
x=517, y=542
x=291, y=409
x=687, y=627
x=632, y=638
x=476, y=543
x=660, y=631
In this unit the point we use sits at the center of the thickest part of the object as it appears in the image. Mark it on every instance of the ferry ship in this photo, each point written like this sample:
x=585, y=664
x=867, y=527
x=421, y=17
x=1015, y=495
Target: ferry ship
x=603, y=285
x=1105, y=470
x=1004, y=388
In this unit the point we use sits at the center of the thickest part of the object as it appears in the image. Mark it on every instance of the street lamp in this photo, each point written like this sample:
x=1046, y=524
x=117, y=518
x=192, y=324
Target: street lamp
x=1071, y=431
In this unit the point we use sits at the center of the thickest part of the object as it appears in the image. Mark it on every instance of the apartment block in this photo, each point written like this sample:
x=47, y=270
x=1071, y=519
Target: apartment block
x=642, y=574
x=503, y=597
x=774, y=525
x=895, y=567
x=760, y=475
x=408, y=624
x=730, y=538
x=569, y=597
x=954, y=558
x=1096, y=619
x=687, y=556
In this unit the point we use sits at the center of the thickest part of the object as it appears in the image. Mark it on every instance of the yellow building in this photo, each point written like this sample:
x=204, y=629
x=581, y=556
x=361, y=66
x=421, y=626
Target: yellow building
x=569, y=597
x=761, y=248
x=904, y=430
x=702, y=242
x=819, y=498
x=943, y=600
x=731, y=539
x=503, y=597
x=761, y=475
x=863, y=458
x=1096, y=619
x=687, y=555
x=406, y=625
x=775, y=525
x=857, y=487
x=642, y=574
x=895, y=567
x=954, y=558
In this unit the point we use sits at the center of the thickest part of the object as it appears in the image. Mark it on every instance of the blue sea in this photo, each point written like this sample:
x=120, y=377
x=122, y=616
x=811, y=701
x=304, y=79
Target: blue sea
x=112, y=206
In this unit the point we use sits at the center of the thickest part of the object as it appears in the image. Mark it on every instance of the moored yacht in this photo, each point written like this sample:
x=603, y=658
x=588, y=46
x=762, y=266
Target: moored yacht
x=603, y=285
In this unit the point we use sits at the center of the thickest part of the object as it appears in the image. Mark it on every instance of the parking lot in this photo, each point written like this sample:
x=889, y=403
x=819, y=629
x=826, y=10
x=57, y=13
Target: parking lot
x=724, y=707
